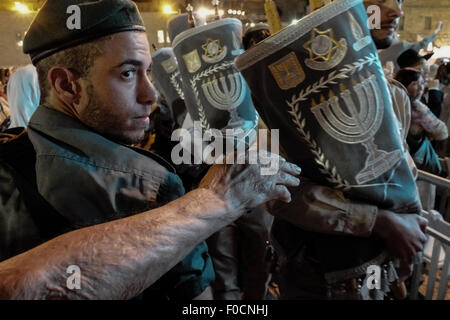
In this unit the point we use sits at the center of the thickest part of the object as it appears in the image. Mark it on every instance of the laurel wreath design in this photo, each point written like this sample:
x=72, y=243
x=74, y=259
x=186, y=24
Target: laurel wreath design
x=324, y=164
x=200, y=108
x=213, y=69
x=176, y=85
x=344, y=73
x=319, y=157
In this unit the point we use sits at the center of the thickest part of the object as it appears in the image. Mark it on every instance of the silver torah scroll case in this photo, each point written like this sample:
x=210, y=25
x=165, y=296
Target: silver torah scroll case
x=165, y=73
x=167, y=80
x=321, y=83
x=215, y=92
x=180, y=23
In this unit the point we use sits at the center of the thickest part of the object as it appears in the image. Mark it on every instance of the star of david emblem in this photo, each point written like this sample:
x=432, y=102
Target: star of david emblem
x=212, y=48
x=322, y=45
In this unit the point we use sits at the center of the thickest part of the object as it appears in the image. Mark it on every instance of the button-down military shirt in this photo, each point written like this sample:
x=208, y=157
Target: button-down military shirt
x=90, y=180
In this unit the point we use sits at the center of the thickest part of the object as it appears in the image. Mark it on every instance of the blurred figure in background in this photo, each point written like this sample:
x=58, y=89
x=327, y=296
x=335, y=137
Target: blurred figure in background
x=23, y=95
x=425, y=127
x=4, y=106
x=423, y=121
x=255, y=34
x=443, y=79
x=4, y=110
x=393, y=52
x=432, y=96
x=412, y=59
x=5, y=73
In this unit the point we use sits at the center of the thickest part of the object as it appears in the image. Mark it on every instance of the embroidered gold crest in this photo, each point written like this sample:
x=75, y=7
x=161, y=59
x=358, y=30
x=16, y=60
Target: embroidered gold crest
x=192, y=61
x=169, y=65
x=325, y=52
x=288, y=72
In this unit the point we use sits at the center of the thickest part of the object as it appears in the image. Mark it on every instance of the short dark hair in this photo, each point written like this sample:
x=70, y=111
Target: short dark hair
x=443, y=73
x=79, y=59
x=406, y=76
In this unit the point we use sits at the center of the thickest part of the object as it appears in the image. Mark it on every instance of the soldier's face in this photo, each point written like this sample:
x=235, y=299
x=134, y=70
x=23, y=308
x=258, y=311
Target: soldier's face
x=390, y=14
x=119, y=93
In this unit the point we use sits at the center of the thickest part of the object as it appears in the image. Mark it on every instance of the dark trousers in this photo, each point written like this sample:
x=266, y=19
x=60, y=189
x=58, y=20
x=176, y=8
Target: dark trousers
x=241, y=257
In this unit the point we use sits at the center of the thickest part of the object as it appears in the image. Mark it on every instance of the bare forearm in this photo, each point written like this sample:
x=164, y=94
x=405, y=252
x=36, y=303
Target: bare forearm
x=118, y=259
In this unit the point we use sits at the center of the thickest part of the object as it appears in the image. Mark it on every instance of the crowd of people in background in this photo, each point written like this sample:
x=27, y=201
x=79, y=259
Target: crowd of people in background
x=19, y=96
x=428, y=86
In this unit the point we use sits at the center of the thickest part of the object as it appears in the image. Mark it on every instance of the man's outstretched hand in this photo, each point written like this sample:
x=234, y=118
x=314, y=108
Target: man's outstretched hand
x=243, y=187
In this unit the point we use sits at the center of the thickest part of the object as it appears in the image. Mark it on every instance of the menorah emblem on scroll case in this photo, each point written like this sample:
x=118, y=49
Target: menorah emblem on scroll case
x=226, y=95
x=360, y=126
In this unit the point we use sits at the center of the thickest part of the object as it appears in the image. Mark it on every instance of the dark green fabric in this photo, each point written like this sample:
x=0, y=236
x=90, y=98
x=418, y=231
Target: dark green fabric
x=424, y=155
x=26, y=219
x=48, y=33
x=109, y=181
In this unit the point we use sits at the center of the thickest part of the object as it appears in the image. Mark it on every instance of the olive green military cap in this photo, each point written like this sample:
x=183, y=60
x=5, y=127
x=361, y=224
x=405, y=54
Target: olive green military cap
x=50, y=32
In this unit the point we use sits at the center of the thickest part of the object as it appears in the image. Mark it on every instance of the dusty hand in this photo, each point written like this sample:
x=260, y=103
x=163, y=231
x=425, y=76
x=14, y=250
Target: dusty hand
x=403, y=234
x=243, y=187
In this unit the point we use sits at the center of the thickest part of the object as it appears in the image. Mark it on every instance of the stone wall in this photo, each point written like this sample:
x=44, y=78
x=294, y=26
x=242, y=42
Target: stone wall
x=416, y=14
x=13, y=26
